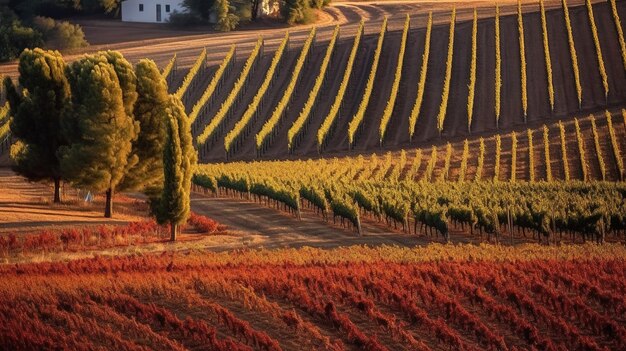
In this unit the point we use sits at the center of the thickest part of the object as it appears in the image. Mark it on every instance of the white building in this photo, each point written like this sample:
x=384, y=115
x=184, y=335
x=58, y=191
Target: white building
x=151, y=11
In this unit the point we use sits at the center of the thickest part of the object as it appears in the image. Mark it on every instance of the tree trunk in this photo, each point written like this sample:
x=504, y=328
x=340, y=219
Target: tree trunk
x=174, y=229
x=57, y=190
x=108, y=207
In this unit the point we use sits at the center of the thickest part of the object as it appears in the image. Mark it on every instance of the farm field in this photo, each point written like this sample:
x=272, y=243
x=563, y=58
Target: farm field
x=400, y=175
x=385, y=298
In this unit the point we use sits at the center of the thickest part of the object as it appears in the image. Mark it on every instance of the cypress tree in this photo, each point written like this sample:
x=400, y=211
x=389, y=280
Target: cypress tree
x=150, y=112
x=98, y=127
x=179, y=161
x=37, y=115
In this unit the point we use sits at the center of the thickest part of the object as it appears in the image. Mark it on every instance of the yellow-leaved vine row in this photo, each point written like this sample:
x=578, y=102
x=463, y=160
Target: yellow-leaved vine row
x=446, y=83
x=581, y=151
x=272, y=122
x=464, y=157
x=522, y=54
x=314, y=93
x=253, y=107
x=481, y=160
x=169, y=67
x=430, y=167
x=191, y=75
x=617, y=154
x=357, y=119
x=391, y=103
x=572, y=52
x=230, y=99
x=564, y=152
x=546, y=52
x=195, y=111
x=417, y=162
x=546, y=153
x=472, y=79
x=531, y=158
x=620, y=31
x=422, y=81
x=496, y=164
x=334, y=109
x=596, y=141
x=498, y=73
x=445, y=172
x=596, y=42
x=513, y=156
x=4, y=121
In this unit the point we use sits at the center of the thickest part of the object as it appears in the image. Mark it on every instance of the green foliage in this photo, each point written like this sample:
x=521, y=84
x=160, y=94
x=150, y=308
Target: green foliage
x=37, y=114
x=179, y=162
x=60, y=34
x=297, y=11
x=226, y=18
x=200, y=8
x=150, y=112
x=98, y=128
x=15, y=37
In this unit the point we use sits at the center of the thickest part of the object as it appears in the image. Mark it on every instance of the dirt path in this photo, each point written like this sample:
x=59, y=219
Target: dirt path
x=269, y=228
x=25, y=207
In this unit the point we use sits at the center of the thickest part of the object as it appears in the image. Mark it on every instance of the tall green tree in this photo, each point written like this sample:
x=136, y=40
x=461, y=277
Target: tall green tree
x=201, y=8
x=179, y=162
x=226, y=19
x=37, y=116
x=98, y=128
x=150, y=111
x=296, y=11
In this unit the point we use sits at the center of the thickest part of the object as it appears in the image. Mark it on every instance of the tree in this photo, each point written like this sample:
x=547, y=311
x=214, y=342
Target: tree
x=179, y=161
x=37, y=116
x=150, y=112
x=201, y=8
x=296, y=11
x=98, y=128
x=226, y=19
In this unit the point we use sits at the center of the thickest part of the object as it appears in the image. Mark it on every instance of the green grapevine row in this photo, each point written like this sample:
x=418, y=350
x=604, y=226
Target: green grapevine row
x=272, y=122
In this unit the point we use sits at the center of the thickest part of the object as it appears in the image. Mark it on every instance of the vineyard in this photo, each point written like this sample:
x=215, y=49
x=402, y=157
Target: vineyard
x=401, y=190
x=386, y=298
x=402, y=84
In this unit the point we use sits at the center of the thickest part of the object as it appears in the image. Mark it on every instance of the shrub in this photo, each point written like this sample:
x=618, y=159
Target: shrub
x=60, y=34
x=184, y=19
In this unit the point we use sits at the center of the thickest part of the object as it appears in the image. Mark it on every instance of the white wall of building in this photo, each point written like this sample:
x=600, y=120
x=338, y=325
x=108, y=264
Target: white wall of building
x=131, y=10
